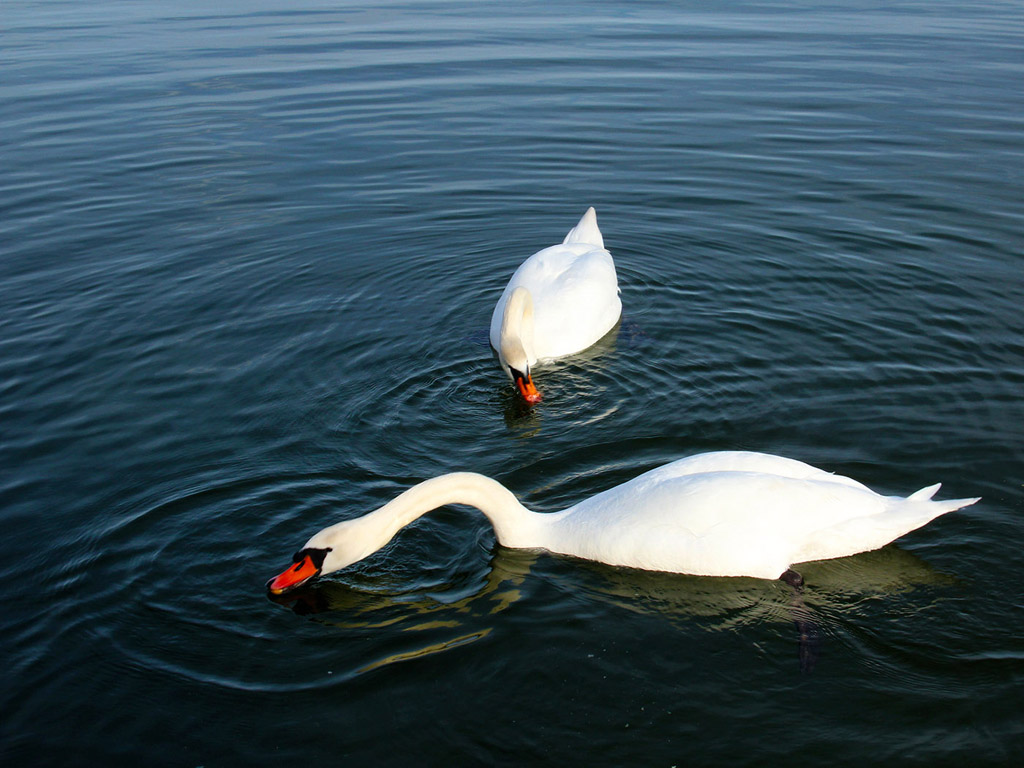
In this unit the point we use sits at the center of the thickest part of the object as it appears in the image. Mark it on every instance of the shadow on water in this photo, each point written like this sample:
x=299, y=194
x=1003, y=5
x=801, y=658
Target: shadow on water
x=520, y=416
x=362, y=603
x=448, y=615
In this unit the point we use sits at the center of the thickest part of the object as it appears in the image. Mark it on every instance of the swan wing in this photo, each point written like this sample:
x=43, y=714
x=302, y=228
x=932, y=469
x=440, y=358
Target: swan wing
x=896, y=517
x=744, y=461
x=576, y=302
x=720, y=523
x=575, y=293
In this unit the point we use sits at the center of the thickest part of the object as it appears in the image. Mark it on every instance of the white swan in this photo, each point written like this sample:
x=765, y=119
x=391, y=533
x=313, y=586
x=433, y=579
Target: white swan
x=731, y=513
x=558, y=302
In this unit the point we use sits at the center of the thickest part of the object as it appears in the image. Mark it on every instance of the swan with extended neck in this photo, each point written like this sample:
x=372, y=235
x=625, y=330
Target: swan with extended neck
x=558, y=302
x=730, y=513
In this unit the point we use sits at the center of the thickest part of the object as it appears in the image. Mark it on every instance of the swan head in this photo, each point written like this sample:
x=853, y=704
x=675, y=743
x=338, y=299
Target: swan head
x=516, y=340
x=307, y=564
x=335, y=547
x=524, y=383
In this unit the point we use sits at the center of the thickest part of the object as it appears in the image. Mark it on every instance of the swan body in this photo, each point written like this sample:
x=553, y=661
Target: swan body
x=730, y=513
x=558, y=302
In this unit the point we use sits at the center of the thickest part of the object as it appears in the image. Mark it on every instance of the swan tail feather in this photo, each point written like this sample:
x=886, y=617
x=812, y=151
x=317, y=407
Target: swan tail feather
x=951, y=505
x=586, y=231
x=924, y=494
x=897, y=517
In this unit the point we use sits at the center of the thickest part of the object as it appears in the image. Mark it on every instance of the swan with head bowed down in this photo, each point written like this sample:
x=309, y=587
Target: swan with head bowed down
x=730, y=513
x=558, y=302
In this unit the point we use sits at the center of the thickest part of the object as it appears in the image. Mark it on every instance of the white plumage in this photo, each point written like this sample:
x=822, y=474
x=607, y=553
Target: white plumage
x=730, y=513
x=568, y=298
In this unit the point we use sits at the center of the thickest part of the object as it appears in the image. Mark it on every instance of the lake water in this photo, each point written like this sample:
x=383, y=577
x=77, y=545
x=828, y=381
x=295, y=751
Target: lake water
x=248, y=255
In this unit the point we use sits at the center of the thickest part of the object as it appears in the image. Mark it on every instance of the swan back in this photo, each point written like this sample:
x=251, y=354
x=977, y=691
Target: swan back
x=743, y=461
x=736, y=514
x=574, y=291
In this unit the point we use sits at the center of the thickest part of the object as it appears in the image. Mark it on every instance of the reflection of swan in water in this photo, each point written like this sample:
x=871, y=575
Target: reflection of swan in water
x=439, y=618
x=724, y=604
x=433, y=605
x=572, y=383
x=431, y=619
x=728, y=603
x=370, y=606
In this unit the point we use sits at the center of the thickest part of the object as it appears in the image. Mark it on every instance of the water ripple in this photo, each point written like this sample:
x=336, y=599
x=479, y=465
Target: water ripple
x=249, y=258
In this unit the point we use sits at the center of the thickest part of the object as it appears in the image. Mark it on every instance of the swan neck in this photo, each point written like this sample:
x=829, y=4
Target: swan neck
x=517, y=329
x=513, y=523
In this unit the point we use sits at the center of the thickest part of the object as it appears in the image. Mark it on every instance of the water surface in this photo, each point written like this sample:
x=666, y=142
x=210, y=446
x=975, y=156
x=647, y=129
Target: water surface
x=248, y=254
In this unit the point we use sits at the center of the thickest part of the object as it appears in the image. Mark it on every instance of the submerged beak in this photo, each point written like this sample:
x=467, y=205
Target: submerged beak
x=302, y=571
x=526, y=389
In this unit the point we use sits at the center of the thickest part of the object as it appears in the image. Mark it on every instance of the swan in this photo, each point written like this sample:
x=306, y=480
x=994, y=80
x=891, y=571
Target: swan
x=728, y=513
x=558, y=302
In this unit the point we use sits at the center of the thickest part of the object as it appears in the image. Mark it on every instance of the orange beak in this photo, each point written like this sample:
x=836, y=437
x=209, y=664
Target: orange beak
x=299, y=573
x=527, y=390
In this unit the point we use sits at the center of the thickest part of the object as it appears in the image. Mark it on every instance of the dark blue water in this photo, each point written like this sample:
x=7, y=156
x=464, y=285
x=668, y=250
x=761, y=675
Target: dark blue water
x=248, y=254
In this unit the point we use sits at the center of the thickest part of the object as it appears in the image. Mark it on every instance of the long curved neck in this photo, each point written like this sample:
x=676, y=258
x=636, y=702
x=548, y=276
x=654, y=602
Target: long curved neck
x=517, y=329
x=507, y=515
x=514, y=524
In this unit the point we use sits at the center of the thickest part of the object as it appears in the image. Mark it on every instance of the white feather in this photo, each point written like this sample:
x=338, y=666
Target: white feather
x=575, y=298
x=731, y=513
